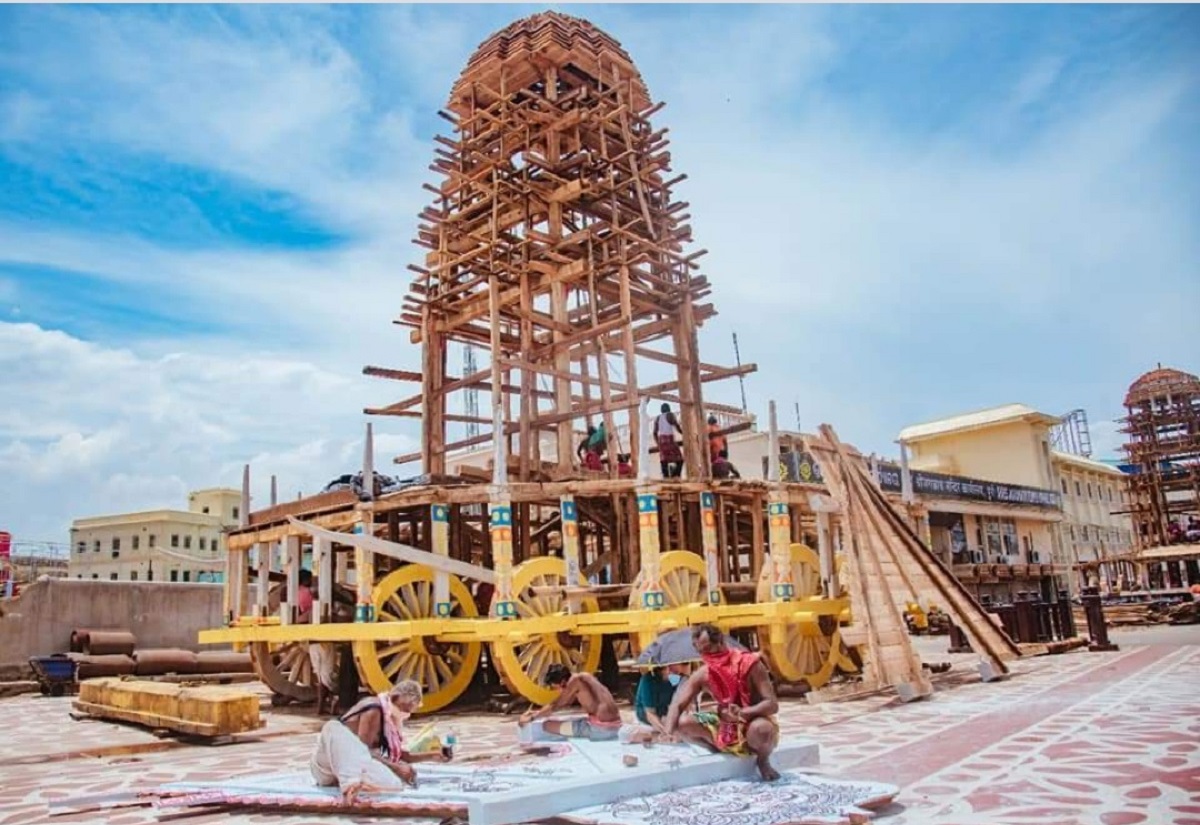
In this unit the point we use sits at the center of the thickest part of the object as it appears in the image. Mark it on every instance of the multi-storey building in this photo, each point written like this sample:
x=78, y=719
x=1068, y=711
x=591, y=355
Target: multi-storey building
x=157, y=545
x=1096, y=533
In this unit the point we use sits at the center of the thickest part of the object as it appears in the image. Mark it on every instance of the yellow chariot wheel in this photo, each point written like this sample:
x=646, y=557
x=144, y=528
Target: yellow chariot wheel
x=806, y=651
x=523, y=661
x=444, y=669
x=684, y=582
x=285, y=669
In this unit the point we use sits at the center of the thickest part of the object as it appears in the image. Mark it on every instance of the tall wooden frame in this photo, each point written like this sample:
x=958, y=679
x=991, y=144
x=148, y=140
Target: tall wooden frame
x=554, y=244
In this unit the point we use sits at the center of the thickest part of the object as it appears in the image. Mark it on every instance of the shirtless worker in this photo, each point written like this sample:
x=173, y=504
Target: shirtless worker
x=603, y=720
x=744, y=722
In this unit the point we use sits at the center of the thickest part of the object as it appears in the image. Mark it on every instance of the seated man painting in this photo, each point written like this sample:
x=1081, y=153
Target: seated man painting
x=363, y=751
x=744, y=722
x=603, y=720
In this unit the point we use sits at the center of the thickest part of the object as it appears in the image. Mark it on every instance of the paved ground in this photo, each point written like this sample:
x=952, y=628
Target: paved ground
x=1077, y=739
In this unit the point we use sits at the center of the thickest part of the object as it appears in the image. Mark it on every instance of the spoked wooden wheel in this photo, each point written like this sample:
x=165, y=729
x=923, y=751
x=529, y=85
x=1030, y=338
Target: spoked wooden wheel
x=808, y=651
x=443, y=669
x=285, y=669
x=684, y=582
x=523, y=662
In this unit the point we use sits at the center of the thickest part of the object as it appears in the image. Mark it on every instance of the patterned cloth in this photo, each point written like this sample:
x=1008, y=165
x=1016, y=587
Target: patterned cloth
x=668, y=449
x=729, y=684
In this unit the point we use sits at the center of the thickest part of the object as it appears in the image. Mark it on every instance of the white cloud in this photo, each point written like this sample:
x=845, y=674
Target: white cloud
x=830, y=232
x=96, y=430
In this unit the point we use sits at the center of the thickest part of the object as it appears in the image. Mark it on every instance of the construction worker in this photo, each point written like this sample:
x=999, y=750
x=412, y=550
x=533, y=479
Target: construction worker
x=670, y=457
x=716, y=440
x=722, y=467
x=592, y=449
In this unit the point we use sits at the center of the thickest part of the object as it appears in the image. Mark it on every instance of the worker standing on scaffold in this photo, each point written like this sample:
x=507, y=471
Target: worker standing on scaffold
x=670, y=457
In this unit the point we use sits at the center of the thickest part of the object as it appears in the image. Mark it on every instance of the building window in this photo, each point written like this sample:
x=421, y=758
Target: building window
x=204, y=510
x=96, y=546
x=187, y=575
x=174, y=539
x=1089, y=489
x=116, y=543
x=235, y=513
x=1078, y=489
x=133, y=575
x=1072, y=529
x=174, y=575
x=112, y=576
x=1085, y=532
x=82, y=546
x=137, y=542
x=187, y=542
x=95, y=575
x=151, y=541
x=203, y=543
x=1064, y=485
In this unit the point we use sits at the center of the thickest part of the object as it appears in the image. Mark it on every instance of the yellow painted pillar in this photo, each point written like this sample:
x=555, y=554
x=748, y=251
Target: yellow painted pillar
x=779, y=539
x=708, y=535
x=648, y=543
x=502, y=557
x=364, y=573
x=570, y=539
x=439, y=518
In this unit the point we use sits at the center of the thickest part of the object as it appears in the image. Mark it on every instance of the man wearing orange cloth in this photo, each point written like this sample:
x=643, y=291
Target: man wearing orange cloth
x=744, y=722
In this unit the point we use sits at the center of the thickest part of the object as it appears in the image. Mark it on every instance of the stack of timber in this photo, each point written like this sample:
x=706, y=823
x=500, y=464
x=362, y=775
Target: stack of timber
x=887, y=566
x=198, y=711
x=1130, y=614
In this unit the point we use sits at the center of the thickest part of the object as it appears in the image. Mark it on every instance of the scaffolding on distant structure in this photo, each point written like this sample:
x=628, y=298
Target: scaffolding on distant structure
x=1163, y=425
x=1071, y=434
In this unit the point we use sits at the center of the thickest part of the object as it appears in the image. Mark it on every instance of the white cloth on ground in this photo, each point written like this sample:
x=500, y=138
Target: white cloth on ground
x=342, y=759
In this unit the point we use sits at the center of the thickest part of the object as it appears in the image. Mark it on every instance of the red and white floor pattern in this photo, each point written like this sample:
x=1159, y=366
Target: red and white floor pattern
x=1078, y=739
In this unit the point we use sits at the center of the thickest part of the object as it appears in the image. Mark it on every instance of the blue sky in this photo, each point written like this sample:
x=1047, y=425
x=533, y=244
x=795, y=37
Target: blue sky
x=206, y=215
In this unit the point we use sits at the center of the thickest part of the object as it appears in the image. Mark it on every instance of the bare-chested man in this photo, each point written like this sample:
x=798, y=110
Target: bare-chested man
x=603, y=720
x=744, y=723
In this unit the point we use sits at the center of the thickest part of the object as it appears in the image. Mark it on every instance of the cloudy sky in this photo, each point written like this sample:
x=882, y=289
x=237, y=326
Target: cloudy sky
x=206, y=215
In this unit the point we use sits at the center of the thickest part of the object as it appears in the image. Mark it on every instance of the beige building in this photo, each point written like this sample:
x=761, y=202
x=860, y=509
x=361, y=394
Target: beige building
x=1094, y=529
x=158, y=545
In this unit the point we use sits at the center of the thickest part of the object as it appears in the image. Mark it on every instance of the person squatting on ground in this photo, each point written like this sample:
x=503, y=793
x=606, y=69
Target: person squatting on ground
x=363, y=751
x=744, y=723
x=603, y=720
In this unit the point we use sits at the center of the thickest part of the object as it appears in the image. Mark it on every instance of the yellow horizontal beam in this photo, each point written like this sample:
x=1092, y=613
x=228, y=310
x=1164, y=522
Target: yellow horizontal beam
x=520, y=630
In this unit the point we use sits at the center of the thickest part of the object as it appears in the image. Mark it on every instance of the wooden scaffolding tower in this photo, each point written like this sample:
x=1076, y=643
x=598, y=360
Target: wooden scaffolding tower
x=1163, y=428
x=555, y=246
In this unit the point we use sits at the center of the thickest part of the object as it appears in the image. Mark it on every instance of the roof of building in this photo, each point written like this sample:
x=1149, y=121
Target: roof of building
x=992, y=416
x=1159, y=382
x=1086, y=463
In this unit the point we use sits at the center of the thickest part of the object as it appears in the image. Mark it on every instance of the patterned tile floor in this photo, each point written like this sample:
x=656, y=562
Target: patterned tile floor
x=1079, y=739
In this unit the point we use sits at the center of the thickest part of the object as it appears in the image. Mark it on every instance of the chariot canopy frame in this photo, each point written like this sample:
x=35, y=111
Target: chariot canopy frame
x=555, y=245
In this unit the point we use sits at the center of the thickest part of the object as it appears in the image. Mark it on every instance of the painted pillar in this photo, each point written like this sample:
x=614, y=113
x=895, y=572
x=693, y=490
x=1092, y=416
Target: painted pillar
x=323, y=564
x=501, y=527
x=570, y=545
x=439, y=518
x=779, y=539
x=364, y=573
x=708, y=537
x=647, y=501
x=262, y=591
x=779, y=520
x=291, y=565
